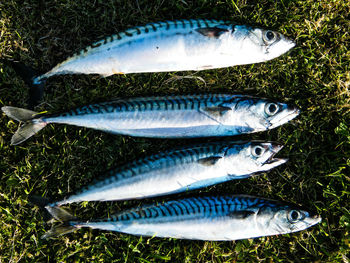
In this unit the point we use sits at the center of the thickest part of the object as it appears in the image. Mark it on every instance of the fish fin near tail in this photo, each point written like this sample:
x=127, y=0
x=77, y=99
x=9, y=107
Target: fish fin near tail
x=29, y=127
x=30, y=77
x=60, y=214
x=57, y=213
x=19, y=114
x=60, y=230
x=65, y=218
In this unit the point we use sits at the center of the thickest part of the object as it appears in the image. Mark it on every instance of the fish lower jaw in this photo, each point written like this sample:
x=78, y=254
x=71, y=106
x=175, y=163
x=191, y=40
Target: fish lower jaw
x=284, y=120
x=270, y=164
x=315, y=220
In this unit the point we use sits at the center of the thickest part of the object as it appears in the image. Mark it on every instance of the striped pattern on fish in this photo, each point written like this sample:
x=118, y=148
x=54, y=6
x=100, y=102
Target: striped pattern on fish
x=166, y=117
x=194, y=44
x=180, y=170
x=202, y=218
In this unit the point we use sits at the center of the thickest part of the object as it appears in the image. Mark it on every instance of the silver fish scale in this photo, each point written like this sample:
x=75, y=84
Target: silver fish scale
x=205, y=218
x=194, y=207
x=181, y=45
x=182, y=155
x=152, y=28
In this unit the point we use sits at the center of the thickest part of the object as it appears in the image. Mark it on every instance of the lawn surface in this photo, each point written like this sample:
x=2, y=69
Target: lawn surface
x=62, y=159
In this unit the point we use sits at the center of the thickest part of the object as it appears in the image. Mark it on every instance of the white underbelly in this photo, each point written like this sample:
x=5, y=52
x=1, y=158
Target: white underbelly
x=216, y=228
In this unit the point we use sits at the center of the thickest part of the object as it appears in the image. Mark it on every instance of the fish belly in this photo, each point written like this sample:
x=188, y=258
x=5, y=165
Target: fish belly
x=160, y=124
x=169, y=53
x=211, y=228
x=165, y=51
x=157, y=181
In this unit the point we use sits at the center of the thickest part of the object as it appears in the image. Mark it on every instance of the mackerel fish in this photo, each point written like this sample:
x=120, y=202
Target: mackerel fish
x=179, y=45
x=194, y=44
x=198, y=218
x=165, y=117
x=181, y=170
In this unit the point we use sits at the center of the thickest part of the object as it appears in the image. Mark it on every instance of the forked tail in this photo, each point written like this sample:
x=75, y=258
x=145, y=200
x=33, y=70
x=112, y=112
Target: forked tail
x=35, y=82
x=59, y=230
x=57, y=213
x=30, y=125
x=62, y=216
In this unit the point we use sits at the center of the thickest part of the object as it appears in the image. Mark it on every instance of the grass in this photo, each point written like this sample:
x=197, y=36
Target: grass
x=59, y=160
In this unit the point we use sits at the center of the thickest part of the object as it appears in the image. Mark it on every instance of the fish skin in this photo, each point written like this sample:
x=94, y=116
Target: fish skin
x=181, y=170
x=195, y=44
x=176, y=116
x=179, y=45
x=186, y=116
x=216, y=218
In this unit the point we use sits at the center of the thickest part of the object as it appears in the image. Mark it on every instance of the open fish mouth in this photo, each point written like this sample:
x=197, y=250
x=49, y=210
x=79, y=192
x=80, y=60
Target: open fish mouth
x=292, y=113
x=276, y=161
x=273, y=162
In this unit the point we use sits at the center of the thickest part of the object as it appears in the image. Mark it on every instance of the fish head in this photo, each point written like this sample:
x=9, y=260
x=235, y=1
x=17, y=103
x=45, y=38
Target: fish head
x=264, y=114
x=269, y=44
x=245, y=159
x=282, y=219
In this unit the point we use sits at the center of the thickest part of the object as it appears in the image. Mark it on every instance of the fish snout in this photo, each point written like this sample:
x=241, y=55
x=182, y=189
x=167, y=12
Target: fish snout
x=272, y=162
x=293, y=109
x=276, y=147
x=290, y=42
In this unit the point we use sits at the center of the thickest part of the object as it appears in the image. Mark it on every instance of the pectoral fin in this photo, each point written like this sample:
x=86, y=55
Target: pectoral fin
x=217, y=111
x=209, y=161
x=241, y=214
x=211, y=31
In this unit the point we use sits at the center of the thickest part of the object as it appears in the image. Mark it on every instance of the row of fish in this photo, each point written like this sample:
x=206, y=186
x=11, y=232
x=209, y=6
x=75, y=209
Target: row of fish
x=195, y=44
x=204, y=218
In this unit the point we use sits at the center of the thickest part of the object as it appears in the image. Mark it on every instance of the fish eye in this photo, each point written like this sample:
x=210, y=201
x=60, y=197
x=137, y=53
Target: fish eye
x=270, y=36
x=271, y=109
x=257, y=151
x=294, y=216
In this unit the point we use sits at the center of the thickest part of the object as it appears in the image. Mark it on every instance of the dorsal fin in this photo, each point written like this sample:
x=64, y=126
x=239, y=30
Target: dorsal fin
x=211, y=31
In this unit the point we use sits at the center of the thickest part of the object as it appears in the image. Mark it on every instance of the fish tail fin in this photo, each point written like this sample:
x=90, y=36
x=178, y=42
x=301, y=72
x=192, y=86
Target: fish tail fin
x=32, y=78
x=65, y=218
x=60, y=230
x=29, y=127
x=60, y=214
